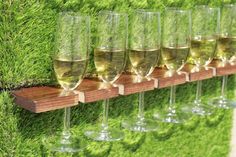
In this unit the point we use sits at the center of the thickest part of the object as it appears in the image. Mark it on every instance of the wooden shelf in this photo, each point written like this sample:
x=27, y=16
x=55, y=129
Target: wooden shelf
x=129, y=84
x=223, y=70
x=163, y=79
x=91, y=90
x=202, y=74
x=42, y=99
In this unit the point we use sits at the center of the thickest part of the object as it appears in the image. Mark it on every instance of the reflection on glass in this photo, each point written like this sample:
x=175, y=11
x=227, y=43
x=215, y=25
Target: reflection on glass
x=144, y=52
x=70, y=62
x=226, y=52
x=109, y=59
x=175, y=50
x=205, y=30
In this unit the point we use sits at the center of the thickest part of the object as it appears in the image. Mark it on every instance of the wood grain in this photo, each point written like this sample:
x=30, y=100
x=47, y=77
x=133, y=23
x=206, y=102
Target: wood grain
x=201, y=74
x=42, y=99
x=91, y=90
x=130, y=84
x=163, y=79
x=223, y=69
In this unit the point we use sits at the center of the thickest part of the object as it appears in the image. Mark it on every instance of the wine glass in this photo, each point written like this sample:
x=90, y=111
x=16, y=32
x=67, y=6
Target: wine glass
x=205, y=30
x=175, y=50
x=109, y=59
x=226, y=51
x=70, y=62
x=144, y=51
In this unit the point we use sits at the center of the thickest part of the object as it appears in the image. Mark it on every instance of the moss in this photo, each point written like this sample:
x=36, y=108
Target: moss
x=27, y=34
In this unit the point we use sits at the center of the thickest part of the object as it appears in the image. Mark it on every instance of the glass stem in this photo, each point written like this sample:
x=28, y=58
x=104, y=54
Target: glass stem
x=66, y=129
x=199, y=92
x=172, y=97
x=141, y=106
x=105, y=114
x=224, y=87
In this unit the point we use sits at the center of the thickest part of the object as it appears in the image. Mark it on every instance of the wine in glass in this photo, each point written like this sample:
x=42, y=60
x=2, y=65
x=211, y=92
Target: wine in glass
x=70, y=62
x=175, y=50
x=144, y=51
x=205, y=29
x=226, y=52
x=109, y=59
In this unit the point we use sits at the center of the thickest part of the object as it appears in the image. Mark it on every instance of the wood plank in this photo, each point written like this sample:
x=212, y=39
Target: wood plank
x=42, y=99
x=223, y=69
x=91, y=90
x=163, y=79
x=129, y=84
x=202, y=74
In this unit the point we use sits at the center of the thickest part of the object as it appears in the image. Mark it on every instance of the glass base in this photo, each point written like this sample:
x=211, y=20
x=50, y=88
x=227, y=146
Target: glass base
x=222, y=103
x=169, y=117
x=137, y=125
x=199, y=109
x=63, y=144
x=108, y=135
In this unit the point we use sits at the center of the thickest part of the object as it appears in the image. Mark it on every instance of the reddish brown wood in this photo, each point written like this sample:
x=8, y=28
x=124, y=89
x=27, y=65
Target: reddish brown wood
x=91, y=90
x=163, y=79
x=202, y=74
x=42, y=99
x=129, y=84
x=223, y=69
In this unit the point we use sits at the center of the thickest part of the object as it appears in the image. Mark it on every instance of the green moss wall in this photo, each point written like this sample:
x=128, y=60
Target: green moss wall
x=26, y=43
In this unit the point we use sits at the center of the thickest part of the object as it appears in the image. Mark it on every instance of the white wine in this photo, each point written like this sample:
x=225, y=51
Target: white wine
x=174, y=57
x=69, y=72
x=202, y=51
x=144, y=61
x=226, y=48
x=109, y=63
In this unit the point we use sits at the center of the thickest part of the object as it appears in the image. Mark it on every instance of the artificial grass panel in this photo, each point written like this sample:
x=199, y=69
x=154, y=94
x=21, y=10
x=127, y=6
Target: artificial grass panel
x=29, y=29
x=27, y=34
